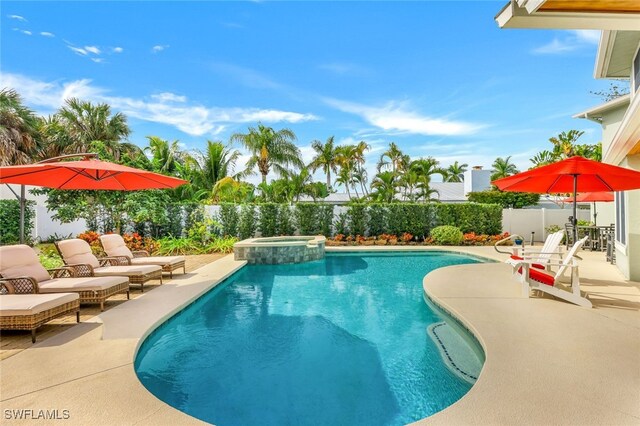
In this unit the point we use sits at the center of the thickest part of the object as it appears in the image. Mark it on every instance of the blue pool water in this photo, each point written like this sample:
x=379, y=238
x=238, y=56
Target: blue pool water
x=341, y=341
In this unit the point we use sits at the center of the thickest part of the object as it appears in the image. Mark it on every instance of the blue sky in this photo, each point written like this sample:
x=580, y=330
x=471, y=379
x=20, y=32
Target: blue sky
x=437, y=78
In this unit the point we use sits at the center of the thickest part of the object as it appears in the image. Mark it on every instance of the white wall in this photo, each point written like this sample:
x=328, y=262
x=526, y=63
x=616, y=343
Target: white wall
x=44, y=225
x=525, y=221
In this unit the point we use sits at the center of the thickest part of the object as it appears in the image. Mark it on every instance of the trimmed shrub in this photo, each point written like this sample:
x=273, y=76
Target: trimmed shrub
x=10, y=221
x=308, y=218
x=377, y=219
x=247, y=225
x=325, y=218
x=228, y=217
x=516, y=200
x=268, y=219
x=357, y=219
x=447, y=235
x=285, y=220
x=340, y=224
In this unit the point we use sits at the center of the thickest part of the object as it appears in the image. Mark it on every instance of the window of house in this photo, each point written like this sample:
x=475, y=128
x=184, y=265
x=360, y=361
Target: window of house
x=621, y=228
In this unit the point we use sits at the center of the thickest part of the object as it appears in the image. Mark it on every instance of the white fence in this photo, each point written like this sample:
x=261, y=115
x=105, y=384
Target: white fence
x=525, y=221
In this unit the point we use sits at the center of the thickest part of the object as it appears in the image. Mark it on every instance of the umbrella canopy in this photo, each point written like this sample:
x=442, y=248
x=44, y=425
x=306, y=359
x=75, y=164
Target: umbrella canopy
x=592, y=176
x=592, y=197
x=86, y=174
x=573, y=175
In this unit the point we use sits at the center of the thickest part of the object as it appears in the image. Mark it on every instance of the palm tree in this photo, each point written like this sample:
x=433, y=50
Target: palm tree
x=165, y=156
x=86, y=122
x=543, y=158
x=270, y=148
x=326, y=158
x=384, y=187
x=344, y=178
x=503, y=167
x=455, y=172
x=425, y=168
x=394, y=158
x=19, y=140
x=217, y=162
x=564, y=143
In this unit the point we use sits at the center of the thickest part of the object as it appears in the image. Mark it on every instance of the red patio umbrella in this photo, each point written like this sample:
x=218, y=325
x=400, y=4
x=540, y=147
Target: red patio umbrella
x=592, y=197
x=573, y=175
x=89, y=173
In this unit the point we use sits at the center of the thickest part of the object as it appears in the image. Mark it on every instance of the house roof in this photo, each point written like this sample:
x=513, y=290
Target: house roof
x=615, y=53
x=571, y=14
x=596, y=113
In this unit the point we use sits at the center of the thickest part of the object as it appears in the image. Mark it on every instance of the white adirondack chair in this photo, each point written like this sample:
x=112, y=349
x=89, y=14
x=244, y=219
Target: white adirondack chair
x=535, y=279
x=539, y=258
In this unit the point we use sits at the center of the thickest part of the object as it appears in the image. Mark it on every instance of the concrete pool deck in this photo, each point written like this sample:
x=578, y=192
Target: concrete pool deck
x=547, y=362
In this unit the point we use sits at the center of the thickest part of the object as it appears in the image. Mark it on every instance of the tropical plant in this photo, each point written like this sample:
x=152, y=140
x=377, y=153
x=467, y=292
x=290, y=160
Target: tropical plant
x=447, y=235
x=393, y=158
x=564, y=143
x=503, y=167
x=543, y=158
x=326, y=158
x=384, y=187
x=455, y=172
x=269, y=149
x=19, y=140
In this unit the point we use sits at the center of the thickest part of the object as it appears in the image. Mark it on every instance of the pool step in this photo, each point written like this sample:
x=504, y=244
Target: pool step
x=456, y=353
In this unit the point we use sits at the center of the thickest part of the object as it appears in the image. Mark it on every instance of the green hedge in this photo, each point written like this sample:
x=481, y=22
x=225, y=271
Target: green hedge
x=10, y=221
x=516, y=200
x=359, y=219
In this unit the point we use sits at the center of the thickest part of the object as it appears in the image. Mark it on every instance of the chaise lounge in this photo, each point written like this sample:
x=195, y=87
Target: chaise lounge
x=539, y=259
x=115, y=247
x=20, y=269
x=77, y=254
x=29, y=310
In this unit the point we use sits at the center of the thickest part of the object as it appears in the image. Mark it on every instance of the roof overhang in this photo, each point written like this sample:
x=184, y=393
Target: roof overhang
x=626, y=140
x=596, y=113
x=571, y=14
x=615, y=53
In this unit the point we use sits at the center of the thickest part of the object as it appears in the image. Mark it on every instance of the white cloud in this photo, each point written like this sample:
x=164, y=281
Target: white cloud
x=576, y=39
x=394, y=117
x=26, y=32
x=588, y=36
x=246, y=76
x=196, y=120
x=47, y=34
x=342, y=68
x=159, y=48
x=98, y=60
x=117, y=49
x=169, y=97
x=80, y=51
x=17, y=18
x=92, y=49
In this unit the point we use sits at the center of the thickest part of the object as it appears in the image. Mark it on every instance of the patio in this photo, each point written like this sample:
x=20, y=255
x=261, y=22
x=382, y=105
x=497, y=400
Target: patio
x=546, y=359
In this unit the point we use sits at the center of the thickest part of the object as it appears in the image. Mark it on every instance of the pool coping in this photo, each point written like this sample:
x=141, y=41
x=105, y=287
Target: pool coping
x=88, y=369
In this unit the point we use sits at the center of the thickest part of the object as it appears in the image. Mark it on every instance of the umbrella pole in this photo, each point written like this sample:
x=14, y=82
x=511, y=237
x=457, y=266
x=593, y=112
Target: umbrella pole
x=22, y=203
x=595, y=215
x=575, y=208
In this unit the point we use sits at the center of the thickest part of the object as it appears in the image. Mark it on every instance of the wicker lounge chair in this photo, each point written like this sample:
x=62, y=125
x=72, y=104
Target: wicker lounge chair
x=114, y=246
x=77, y=253
x=21, y=268
x=29, y=311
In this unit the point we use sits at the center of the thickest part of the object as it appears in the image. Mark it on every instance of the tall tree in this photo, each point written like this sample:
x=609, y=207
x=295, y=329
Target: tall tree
x=19, y=140
x=86, y=123
x=392, y=158
x=455, y=172
x=270, y=149
x=503, y=167
x=326, y=158
x=384, y=187
x=165, y=156
x=425, y=168
x=564, y=143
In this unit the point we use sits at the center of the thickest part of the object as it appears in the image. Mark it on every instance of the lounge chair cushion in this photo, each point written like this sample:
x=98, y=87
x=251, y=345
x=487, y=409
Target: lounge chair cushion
x=535, y=265
x=114, y=245
x=157, y=260
x=31, y=304
x=80, y=284
x=541, y=277
x=127, y=271
x=21, y=261
x=76, y=251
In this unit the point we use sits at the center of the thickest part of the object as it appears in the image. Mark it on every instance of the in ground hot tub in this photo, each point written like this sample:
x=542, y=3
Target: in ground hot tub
x=279, y=250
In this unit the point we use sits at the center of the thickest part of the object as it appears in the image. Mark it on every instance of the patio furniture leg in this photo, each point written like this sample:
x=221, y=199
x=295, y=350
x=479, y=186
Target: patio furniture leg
x=78, y=315
x=127, y=294
x=33, y=335
x=102, y=306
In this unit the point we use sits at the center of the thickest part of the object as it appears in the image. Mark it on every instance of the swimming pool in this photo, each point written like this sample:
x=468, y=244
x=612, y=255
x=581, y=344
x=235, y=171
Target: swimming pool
x=341, y=340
